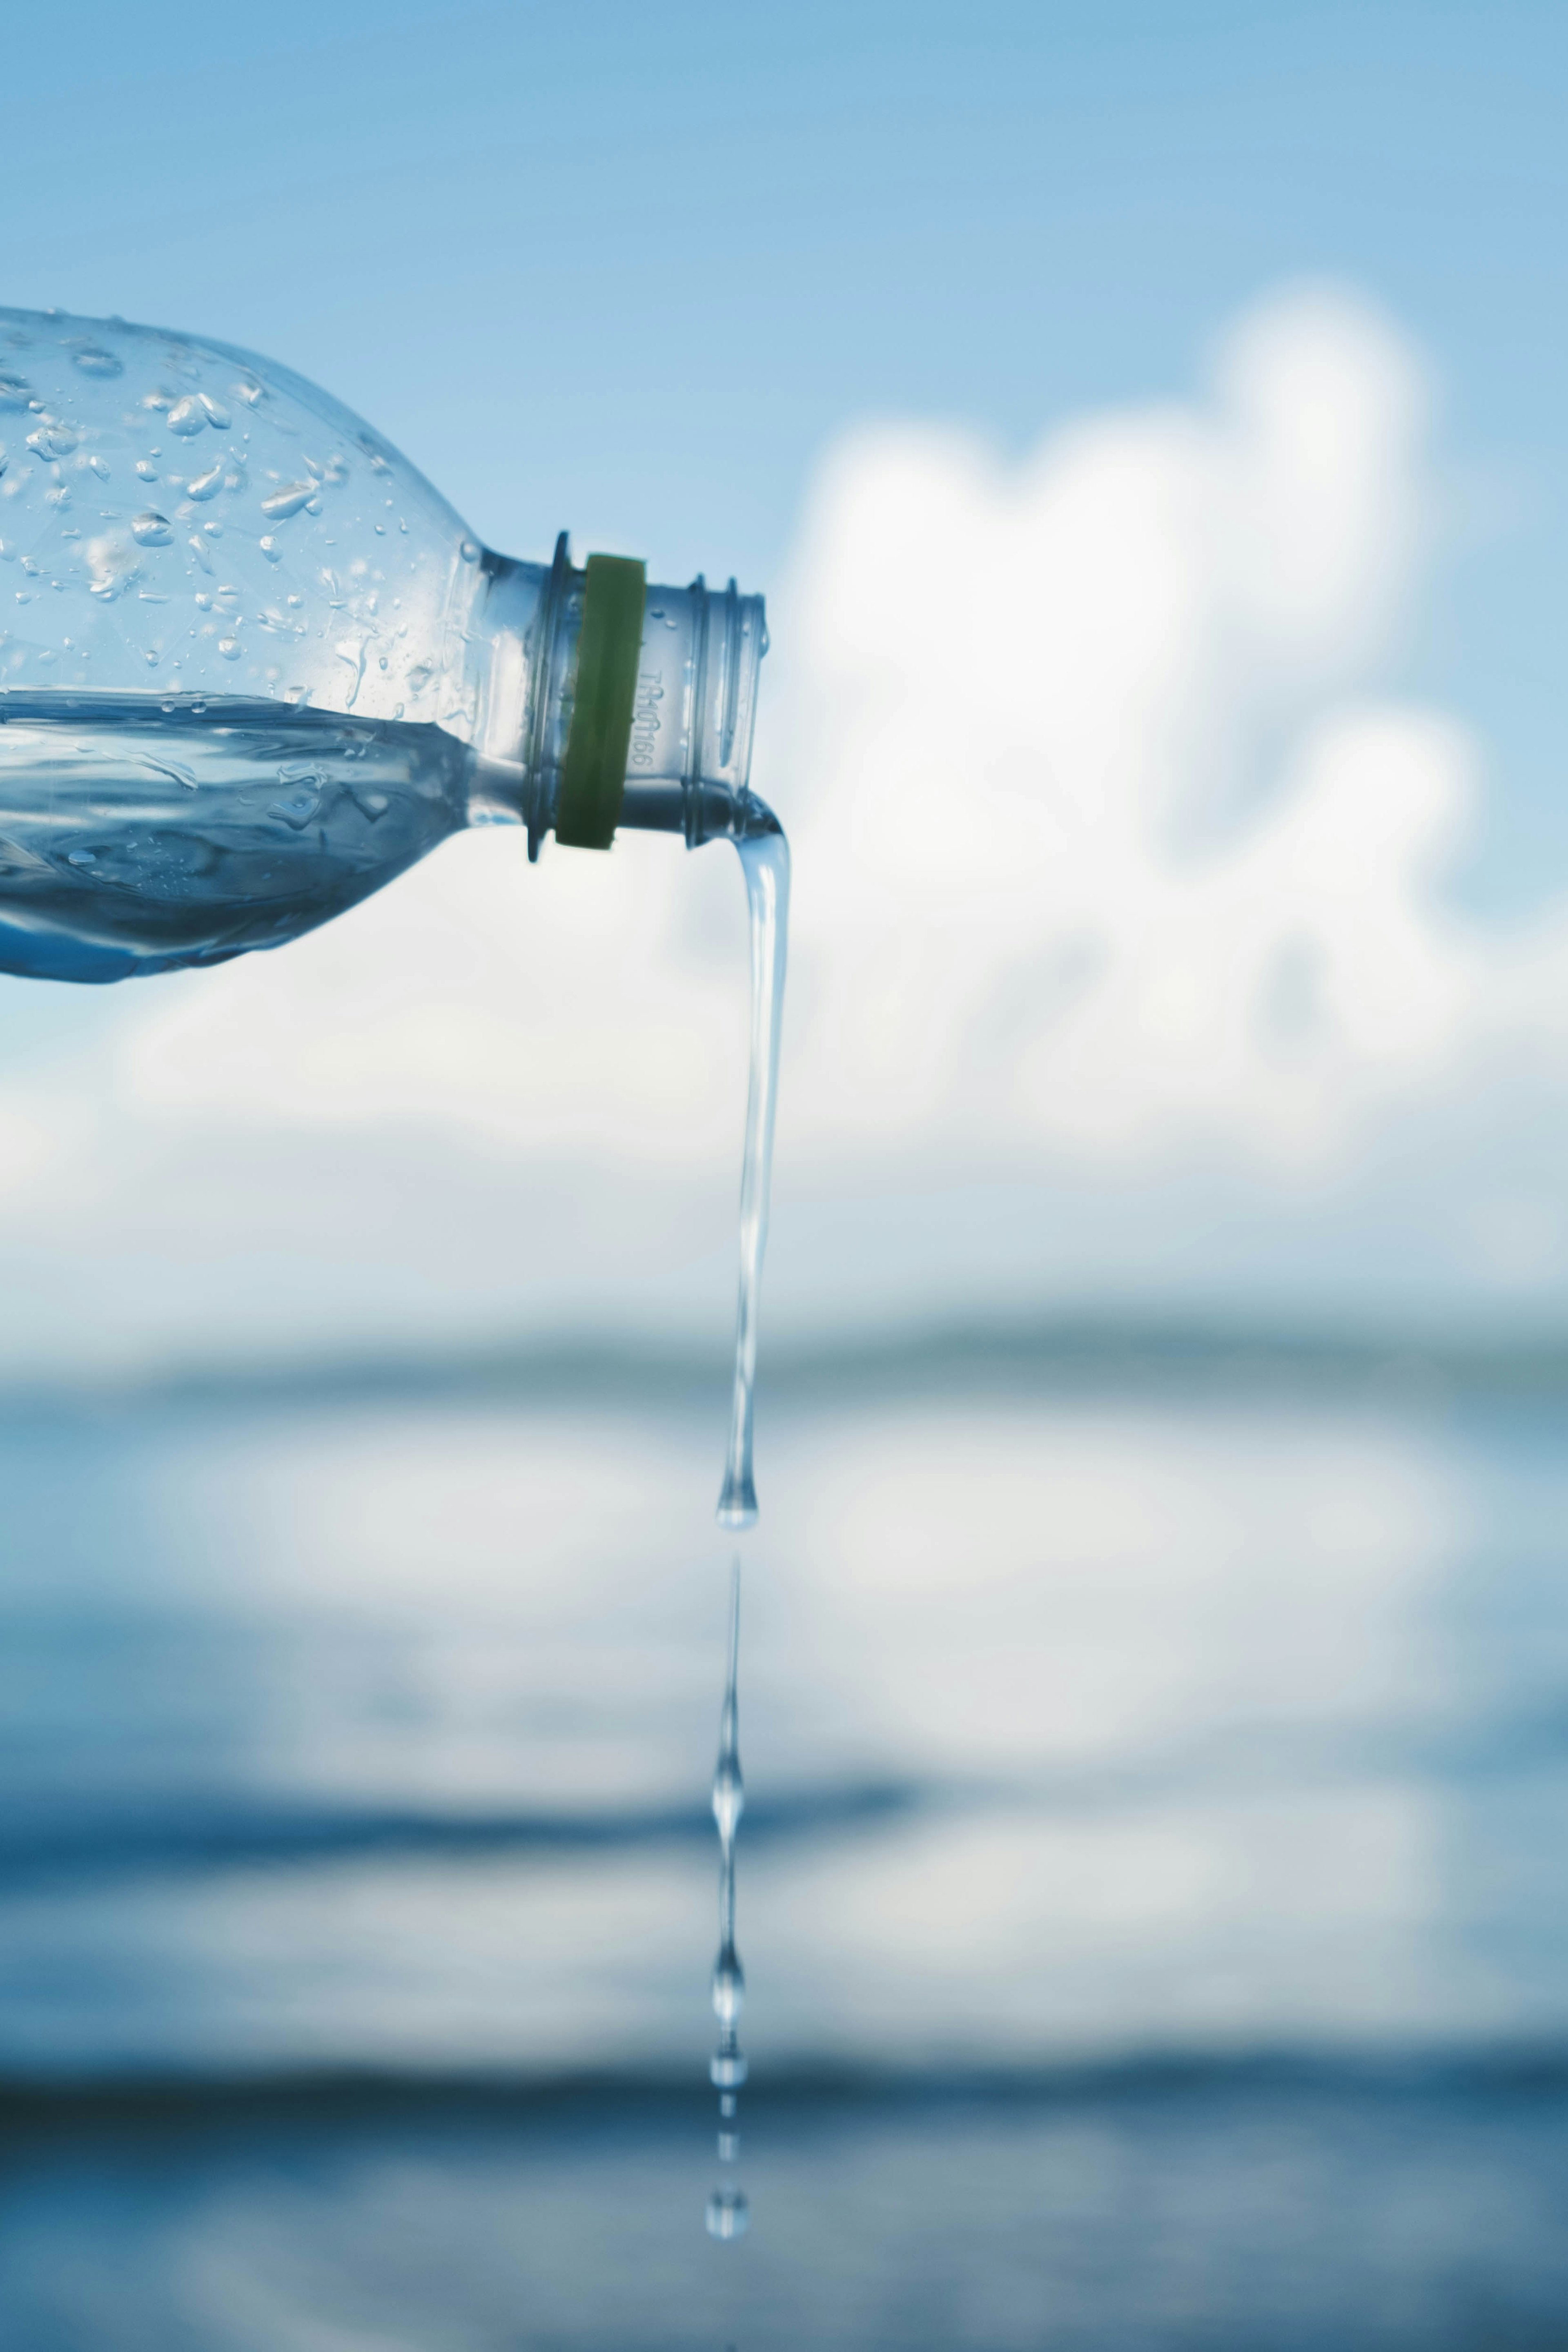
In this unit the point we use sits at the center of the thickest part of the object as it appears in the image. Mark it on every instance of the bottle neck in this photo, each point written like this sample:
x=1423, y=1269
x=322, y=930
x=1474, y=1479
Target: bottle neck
x=693, y=704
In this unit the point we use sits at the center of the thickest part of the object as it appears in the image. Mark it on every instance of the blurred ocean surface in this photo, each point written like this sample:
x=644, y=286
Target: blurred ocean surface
x=1151, y=1893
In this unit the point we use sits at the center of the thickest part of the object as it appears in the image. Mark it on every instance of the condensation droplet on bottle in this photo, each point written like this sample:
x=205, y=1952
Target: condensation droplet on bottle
x=99, y=466
x=251, y=393
x=187, y=417
x=728, y=2213
x=146, y=470
x=93, y=360
x=281, y=503
x=230, y=648
x=151, y=529
x=52, y=439
x=270, y=549
x=199, y=549
x=207, y=485
x=470, y=550
x=15, y=390
x=216, y=414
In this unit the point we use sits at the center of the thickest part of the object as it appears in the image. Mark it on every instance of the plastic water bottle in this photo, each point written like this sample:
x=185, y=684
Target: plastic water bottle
x=252, y=665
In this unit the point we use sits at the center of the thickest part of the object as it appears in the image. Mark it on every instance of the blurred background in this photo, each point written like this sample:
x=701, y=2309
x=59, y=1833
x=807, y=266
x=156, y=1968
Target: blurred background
x=1150, y=427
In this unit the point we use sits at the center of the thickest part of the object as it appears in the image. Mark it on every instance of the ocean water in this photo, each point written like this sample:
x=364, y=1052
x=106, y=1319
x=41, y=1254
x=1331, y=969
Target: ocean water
x=1155, y=1922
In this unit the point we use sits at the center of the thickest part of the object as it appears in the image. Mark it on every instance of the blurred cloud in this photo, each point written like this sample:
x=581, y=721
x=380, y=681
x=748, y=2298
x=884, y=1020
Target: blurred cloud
x=1111, y=865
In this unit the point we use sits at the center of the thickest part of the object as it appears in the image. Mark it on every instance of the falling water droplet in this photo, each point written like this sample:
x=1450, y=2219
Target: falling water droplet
x=728, y=2213
x=151, y=529
x=729, y=1986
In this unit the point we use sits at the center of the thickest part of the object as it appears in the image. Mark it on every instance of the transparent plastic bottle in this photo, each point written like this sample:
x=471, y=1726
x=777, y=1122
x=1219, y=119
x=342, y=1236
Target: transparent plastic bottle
x=252, y=665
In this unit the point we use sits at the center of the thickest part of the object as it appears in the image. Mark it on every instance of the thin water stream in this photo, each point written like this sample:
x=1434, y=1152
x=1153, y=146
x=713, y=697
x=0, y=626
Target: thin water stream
x=764, y=859
x=727, y=2210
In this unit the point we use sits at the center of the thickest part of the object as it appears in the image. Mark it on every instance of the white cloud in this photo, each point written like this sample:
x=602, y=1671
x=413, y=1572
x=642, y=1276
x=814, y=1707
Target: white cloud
x=1112, y=865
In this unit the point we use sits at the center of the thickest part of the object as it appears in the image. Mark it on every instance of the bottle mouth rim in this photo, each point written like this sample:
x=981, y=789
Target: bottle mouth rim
x=594, y=661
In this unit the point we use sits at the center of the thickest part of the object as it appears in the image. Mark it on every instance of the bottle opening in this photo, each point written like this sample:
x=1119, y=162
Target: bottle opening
x=632, y=705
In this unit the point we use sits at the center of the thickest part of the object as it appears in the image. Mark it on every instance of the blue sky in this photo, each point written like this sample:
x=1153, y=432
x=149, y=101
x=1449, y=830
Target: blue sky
x=640, y=272
x=631, y=268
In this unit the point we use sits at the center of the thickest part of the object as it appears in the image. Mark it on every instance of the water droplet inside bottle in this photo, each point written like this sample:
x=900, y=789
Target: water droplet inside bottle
x=287, y=500
x=93, y=360
x=151, y=529
x=728, y=2213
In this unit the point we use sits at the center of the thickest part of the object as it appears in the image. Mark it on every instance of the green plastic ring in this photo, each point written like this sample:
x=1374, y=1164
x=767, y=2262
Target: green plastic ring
x=609, y=650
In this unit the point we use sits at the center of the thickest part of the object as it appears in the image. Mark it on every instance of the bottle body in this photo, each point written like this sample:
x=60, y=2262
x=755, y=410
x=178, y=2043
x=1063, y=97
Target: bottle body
x=252, y=665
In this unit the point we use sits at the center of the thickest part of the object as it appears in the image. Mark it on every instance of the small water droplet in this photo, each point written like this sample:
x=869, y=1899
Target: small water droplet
x=99, y=466
x=146, y=469
x=80, y=858
x=187, y=417
x=93, y=360
x=198, y=548
x=470, y=550
x=151, y=529
x=15, y=390
x=207, y=485
x=230, y=648
x=216, y=413
x=270, y=549
x=52, y=439
x=249, y=392
x=729, y=1986
x=281, y=503
x=728, y=2213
